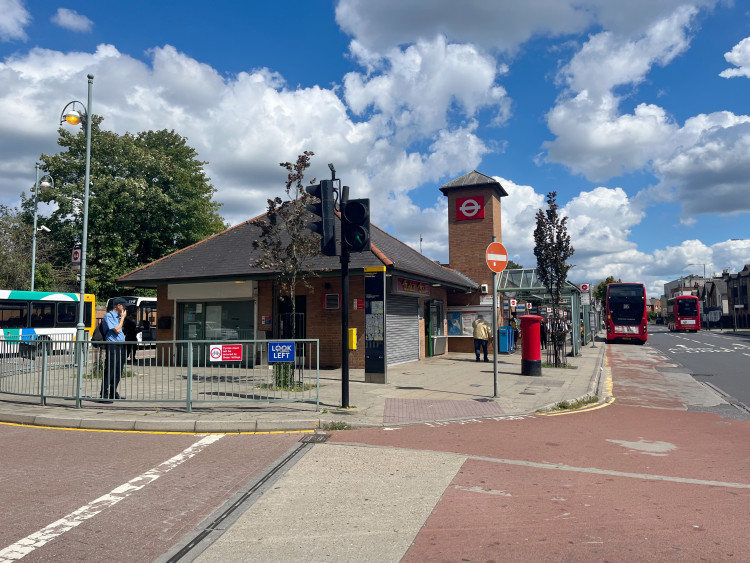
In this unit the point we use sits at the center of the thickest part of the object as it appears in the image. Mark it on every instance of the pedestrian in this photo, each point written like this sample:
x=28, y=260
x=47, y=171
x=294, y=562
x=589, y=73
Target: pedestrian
x=543, y=334
x=516, y=329
x=113, y=333
x=482, y=334
x=131, y=336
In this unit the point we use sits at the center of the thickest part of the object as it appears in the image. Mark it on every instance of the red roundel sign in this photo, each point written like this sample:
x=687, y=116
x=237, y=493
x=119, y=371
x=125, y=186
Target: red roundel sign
x=470, y=207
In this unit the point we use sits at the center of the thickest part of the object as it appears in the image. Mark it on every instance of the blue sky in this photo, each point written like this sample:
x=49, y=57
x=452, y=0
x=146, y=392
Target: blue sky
x=636, y=113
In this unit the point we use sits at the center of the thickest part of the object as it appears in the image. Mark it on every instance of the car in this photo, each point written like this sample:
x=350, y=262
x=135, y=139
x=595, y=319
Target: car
x=659, y=321
x=214, y=331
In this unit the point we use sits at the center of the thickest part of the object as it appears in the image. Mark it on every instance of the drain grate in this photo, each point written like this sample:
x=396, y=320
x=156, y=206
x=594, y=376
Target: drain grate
x=318, y=438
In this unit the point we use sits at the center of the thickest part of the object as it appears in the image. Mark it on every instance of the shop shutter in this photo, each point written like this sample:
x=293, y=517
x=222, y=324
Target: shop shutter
x=402, y=329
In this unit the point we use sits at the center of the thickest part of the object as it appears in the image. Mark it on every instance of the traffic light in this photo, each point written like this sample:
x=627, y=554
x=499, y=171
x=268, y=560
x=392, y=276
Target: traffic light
x=355, y=225
x=324, y=210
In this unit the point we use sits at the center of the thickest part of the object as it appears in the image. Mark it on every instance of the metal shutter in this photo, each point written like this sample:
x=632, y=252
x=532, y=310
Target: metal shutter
x=401, y=329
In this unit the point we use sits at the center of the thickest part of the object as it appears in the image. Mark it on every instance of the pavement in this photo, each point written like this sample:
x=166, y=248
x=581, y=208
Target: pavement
x=449, y=387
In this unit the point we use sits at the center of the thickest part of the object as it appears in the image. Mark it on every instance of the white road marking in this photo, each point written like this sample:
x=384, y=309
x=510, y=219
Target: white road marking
x=28, y=544
x=563, y=467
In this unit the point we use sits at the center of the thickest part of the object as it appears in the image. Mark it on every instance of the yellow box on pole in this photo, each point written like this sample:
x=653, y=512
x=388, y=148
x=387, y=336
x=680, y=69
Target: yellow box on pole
x=352, y=339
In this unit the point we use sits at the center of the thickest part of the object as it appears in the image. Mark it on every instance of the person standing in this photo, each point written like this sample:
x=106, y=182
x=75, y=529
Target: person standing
x=131, y=336
x=516, y=329
x=112, y=324
x=482, y=334
x=543, y=333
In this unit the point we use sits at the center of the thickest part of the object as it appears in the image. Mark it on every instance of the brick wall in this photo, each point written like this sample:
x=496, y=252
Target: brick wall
x=468, y=239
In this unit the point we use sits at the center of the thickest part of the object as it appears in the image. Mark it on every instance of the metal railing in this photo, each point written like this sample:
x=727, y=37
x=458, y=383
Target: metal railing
x=177, y=371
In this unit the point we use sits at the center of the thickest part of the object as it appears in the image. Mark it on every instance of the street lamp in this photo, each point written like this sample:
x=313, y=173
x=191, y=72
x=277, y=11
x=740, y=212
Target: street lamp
x=75, y=116
x=37, y=187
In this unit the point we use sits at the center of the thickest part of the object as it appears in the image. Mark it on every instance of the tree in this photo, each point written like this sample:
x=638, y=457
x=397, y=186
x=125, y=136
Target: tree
x=513, y=266
x=287, y=245
x=149, y=196
x=552, y=250
x=600, y=291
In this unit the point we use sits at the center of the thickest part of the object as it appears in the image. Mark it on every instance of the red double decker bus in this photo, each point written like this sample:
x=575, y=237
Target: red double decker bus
x=684, y=314
x=627, y=317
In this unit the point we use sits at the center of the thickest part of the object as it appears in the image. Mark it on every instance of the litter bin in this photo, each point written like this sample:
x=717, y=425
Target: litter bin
x=504, y=339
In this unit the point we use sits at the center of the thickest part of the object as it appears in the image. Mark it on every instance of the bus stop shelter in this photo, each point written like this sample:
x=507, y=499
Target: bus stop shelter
x=524, y=285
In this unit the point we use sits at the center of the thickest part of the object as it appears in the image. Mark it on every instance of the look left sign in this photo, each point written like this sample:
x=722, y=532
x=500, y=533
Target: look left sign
x=281, y=351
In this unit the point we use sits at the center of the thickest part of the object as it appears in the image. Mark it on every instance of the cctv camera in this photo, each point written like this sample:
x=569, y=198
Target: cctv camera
x=43, y=228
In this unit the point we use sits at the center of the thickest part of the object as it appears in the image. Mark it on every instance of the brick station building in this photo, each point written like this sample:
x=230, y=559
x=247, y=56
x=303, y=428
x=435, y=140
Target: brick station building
x=404, y=305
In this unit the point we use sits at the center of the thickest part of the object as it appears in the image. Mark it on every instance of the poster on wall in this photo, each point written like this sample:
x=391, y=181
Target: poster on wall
x=455, y=328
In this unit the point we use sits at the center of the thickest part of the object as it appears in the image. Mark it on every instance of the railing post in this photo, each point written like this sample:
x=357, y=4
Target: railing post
x=189, y=401
x=43, y=391
x=79, y=372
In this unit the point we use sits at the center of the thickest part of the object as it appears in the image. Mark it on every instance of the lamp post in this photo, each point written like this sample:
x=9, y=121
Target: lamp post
x=37, y=187
x=74, y=117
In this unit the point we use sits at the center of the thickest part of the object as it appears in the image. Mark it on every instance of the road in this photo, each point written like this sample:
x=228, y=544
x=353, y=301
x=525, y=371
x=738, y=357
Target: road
x=720, y=359
x=655, y=475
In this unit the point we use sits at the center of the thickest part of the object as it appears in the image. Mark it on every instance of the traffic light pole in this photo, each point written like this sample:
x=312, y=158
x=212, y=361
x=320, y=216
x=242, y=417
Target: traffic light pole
x=344, y=327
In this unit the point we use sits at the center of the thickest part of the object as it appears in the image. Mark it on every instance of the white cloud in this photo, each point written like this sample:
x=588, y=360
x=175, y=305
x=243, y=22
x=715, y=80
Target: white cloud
x=499, y=25
x=15, y=17
x=739, y=56
x=419, y=86
x=72, y=21
x=592, y=137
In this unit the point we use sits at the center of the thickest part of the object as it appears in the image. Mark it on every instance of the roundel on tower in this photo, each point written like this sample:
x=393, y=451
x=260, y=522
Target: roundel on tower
x=471, y=207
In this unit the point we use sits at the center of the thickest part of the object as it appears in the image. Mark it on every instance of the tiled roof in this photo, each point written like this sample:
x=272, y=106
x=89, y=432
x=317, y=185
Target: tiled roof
x=473, y=179
x=230, y=255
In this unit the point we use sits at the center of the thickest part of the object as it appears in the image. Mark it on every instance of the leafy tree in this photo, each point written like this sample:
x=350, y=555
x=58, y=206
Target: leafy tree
x=600, y=291
x=287, y=245
x=513, y=266
x=552, y=250
x=15, y=250
x=16, y=228
x=148, y=196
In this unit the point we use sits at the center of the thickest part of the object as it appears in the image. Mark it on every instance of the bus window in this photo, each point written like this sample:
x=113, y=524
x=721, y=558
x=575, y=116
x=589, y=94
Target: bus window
x=66, y=314
x=13, y=314
x=42, y=315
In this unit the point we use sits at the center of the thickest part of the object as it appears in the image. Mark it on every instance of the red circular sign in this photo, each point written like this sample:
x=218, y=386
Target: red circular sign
x=76, y=255
x=497, y=257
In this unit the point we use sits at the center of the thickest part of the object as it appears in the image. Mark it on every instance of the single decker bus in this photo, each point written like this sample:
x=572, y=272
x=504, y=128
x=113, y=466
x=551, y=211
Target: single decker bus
x=43, y=316
x=627, y=318
x=683, y=314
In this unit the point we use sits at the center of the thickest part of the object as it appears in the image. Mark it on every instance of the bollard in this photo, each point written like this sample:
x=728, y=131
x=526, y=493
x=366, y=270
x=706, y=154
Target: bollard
x=531, y=358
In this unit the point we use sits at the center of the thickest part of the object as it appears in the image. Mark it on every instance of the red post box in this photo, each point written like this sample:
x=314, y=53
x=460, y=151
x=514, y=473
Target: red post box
x=531, y=358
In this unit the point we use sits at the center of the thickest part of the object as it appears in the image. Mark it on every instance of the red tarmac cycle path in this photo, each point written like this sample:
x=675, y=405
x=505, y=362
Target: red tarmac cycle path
x=641, y=479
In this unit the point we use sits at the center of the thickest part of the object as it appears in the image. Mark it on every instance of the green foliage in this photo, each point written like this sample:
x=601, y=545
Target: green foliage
x=283, y=375
x=552, y=250
x=513, y=266
x=148, y=197
x=287, y=245
x=600, y=291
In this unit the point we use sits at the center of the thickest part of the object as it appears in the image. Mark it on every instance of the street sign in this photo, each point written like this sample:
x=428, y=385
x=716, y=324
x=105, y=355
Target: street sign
x=75, y=257
x=225, y=352
x=585, y=287
x=280, y=352
x=497, y=257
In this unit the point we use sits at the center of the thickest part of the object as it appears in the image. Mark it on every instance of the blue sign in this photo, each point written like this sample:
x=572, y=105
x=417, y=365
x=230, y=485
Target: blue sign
x=280, y=352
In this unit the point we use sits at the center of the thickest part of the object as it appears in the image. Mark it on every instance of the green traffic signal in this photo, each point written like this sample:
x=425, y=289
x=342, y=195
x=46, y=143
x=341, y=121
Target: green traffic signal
x=355, y=221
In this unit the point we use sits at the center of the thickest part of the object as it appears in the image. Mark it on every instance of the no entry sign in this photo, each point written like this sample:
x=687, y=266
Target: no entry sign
x=497, y=257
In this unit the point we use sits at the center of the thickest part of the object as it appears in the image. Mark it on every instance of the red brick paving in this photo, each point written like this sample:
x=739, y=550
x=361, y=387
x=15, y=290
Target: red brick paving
x=416, y=410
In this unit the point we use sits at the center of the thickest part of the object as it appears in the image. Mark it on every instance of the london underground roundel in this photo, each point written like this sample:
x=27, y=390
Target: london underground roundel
x=471, y=207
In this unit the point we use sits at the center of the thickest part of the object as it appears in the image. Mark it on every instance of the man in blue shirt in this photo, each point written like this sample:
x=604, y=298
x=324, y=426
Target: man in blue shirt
x=112, y=329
